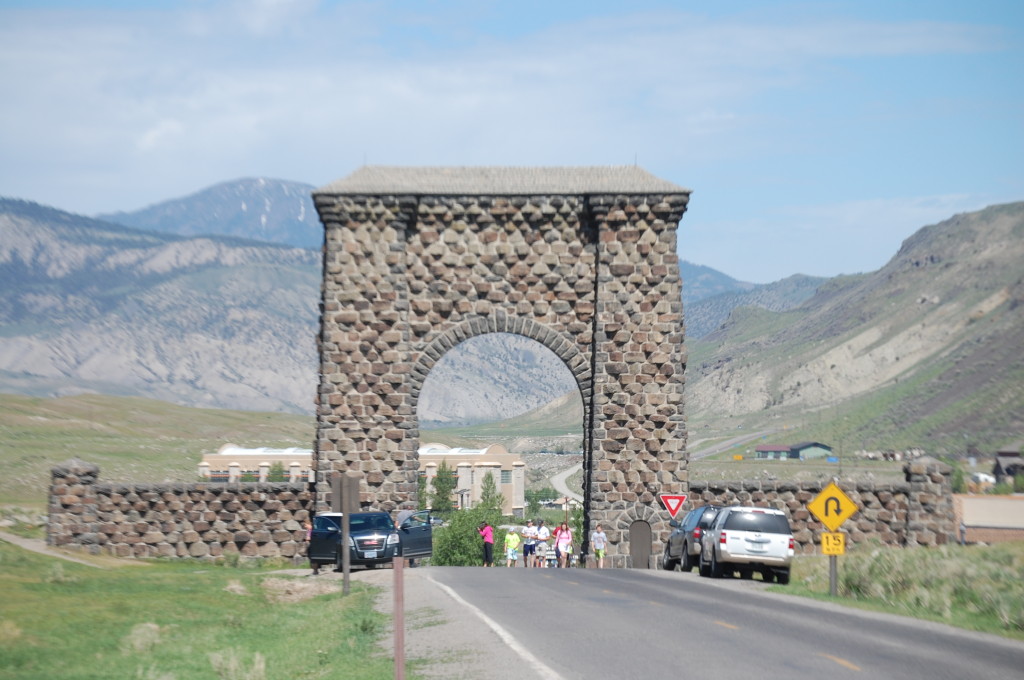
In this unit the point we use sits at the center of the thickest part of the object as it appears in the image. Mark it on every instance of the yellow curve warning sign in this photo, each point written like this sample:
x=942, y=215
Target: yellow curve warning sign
x=832, y=507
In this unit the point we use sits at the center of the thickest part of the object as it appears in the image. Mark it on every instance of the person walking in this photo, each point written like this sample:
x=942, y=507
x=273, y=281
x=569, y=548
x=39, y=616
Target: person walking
x=541, y=547
x=308, y=526
x=598, y=541
x=487, y=532
x=529, y=544
x=511, y=548
x=563, y=544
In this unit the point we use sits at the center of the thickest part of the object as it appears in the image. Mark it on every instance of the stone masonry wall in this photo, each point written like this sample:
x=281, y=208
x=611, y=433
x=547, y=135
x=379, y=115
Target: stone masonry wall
x=213, y=520
x=202, y=520
x=593, y=278
x=916, y=512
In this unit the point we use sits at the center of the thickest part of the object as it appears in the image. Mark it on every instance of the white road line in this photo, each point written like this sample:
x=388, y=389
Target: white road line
x=542, y=670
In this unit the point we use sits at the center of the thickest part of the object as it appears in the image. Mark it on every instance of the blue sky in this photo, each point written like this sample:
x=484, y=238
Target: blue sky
x=815, y=136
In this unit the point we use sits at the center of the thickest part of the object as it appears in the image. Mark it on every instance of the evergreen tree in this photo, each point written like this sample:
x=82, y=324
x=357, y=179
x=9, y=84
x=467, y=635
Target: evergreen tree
x=277, y=473
x=444, y=487
x=422, y=502
x=490, y=499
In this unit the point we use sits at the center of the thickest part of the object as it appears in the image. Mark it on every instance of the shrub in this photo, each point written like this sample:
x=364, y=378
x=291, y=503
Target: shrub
x=458, y=544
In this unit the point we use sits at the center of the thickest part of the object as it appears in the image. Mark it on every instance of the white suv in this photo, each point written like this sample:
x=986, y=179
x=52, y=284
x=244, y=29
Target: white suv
x=747, y=540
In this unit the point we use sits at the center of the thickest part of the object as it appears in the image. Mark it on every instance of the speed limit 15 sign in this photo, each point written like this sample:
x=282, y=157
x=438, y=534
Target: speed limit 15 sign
x=833, y=544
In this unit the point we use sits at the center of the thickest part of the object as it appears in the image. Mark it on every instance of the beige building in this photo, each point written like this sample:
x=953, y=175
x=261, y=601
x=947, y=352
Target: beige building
x=471, y=466
x=234, y=463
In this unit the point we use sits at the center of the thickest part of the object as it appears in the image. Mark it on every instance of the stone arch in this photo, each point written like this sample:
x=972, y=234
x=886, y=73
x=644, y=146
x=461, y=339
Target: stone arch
x=502, y=323
x=582, y=260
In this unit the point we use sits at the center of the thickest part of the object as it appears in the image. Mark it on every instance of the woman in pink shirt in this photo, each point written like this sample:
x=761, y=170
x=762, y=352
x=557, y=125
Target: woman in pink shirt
x=487, y=532
x=563, y=544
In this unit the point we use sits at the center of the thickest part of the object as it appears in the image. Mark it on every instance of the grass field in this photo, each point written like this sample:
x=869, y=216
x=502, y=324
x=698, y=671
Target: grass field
x=131, y=439
x=176, y=620
x=973, y=587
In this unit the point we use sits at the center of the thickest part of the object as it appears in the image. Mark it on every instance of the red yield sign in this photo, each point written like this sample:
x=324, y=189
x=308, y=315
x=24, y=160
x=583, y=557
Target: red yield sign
x=673, y=502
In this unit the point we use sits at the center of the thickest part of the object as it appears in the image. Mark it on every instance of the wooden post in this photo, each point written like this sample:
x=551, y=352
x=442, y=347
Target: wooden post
x=345, y=499
x=399, y=616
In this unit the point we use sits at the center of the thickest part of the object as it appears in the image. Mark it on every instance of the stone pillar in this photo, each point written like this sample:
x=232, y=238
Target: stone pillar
x=72, y=499
x=931, y=517
x=640, y=430
x=365, y=421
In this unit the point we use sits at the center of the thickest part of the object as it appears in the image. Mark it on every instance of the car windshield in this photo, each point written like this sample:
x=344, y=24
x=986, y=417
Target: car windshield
x=324, y=523
x=766, y=523
x=371, y=523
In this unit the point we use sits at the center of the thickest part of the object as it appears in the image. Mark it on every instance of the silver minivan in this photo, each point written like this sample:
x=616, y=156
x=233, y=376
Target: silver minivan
x=745, y=540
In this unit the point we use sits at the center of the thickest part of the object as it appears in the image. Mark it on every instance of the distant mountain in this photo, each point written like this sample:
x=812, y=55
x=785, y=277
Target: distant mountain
x=700, y=282
x=92, y=306
x=271, y=210
x=706, y=314
x=928, y=348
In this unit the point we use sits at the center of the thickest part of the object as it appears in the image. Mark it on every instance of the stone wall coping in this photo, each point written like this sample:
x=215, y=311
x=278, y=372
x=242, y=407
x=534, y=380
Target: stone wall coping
x=499, y=181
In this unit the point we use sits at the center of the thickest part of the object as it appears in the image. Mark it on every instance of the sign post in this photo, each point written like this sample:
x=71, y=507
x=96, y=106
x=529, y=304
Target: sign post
x=345, y=499
x=832, y=507
x=673, y=502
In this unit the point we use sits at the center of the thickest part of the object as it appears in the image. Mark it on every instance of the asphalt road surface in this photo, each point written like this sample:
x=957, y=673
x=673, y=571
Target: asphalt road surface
x=588, y=623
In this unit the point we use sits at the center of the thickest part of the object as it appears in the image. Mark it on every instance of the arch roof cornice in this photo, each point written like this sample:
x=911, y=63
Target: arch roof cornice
x=390, y=180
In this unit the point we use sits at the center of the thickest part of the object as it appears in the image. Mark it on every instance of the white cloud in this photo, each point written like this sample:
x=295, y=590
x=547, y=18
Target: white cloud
x=115, y=110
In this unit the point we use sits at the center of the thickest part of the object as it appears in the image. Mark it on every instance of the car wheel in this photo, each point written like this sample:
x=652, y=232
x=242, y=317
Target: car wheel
x=746, y=573
x=716, y=568
x=686, y=561
x=667, y=563
x=702, y=568
x=768, y=576
x=783, y=577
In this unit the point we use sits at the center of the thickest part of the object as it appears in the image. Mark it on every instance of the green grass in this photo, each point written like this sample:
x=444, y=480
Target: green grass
x=178, y=620
x=131, y=439
x=974, y=587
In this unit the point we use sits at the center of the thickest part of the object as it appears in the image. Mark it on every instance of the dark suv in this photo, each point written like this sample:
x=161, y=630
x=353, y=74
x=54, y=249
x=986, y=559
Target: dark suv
x=373, y=538
x=682, y=549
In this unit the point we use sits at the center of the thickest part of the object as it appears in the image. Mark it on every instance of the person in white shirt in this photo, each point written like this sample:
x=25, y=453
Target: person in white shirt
x=529, y=543
x=599, y=541
x=541, y=547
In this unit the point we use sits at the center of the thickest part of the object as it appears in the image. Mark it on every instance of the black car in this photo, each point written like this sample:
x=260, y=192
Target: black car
x=683, y=547
x=373, y=538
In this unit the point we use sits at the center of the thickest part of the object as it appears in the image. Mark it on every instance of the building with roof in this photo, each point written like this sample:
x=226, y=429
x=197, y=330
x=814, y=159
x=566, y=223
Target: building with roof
x=233, y=463
x=990, y=519
x=471, y=466
x=801, y=451
x=1008, y=464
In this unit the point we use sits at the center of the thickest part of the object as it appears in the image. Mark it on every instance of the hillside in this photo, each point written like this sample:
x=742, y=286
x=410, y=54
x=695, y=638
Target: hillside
x=93, y=306
x=261, y=209
x=89, y=306
x=706, y=314
x=926, y=349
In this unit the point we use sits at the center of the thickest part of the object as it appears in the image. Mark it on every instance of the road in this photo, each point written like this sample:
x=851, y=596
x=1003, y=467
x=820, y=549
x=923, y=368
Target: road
x=558, y=482
x=576, y=623
x=728, y=444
